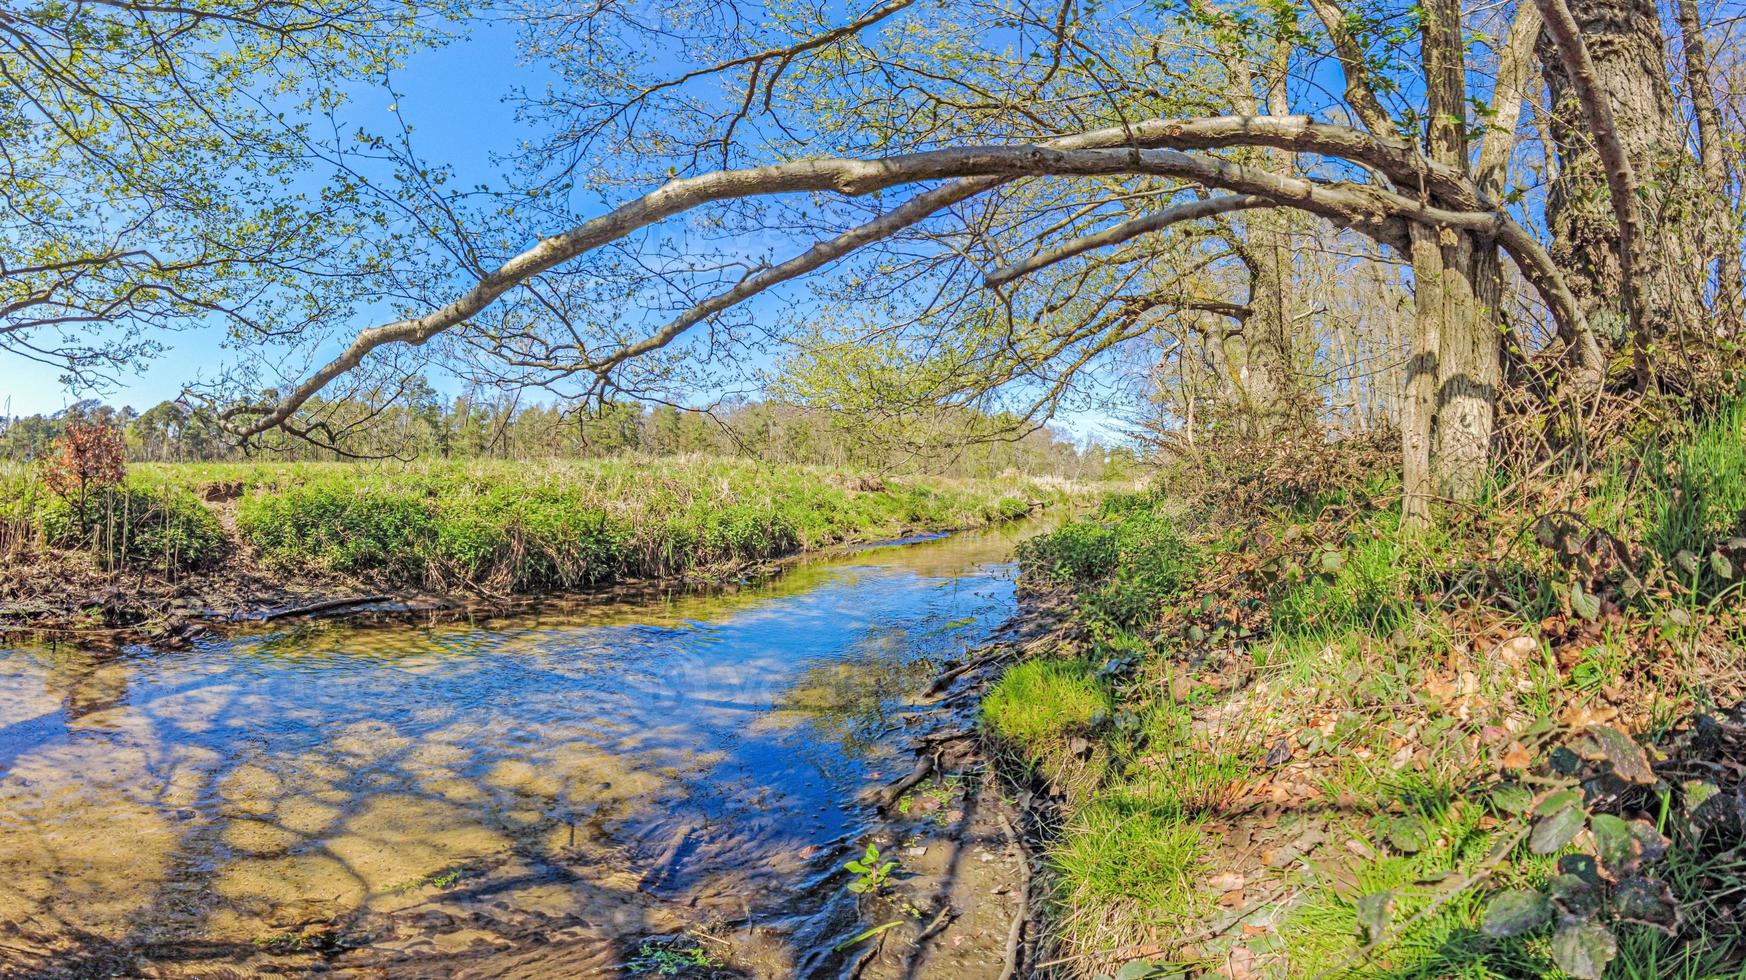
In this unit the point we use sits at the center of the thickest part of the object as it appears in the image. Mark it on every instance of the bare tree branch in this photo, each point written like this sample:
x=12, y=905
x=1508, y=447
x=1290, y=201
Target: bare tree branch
x=1127, y=231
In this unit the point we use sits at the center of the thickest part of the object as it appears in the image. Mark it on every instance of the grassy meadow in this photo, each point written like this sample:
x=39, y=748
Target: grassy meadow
x=499, y=526
x=1311, y=746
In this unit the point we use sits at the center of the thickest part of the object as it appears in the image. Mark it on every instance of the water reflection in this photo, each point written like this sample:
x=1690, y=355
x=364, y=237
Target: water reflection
x=617, y=768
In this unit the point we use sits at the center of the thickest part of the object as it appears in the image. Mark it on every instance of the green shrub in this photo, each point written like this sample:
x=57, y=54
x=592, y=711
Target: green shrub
x=1127, y=562
x=342, y=527
x=1154, y=563
x=155, y=527
x=1078, y=551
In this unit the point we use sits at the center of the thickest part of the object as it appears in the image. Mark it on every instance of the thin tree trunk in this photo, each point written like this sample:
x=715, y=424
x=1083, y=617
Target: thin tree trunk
x=1725, y=249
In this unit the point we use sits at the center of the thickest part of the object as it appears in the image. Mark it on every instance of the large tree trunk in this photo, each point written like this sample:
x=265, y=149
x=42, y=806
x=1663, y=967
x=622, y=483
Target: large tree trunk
x=1270, y=370
x=1625, y=43
x=1269, y=380
x=1464, y=284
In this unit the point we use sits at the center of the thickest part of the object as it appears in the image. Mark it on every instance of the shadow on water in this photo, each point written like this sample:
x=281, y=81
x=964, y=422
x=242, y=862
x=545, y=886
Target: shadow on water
x=522, y=797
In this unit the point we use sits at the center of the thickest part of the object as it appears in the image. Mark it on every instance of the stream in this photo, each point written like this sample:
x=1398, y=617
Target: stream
x=528, y=796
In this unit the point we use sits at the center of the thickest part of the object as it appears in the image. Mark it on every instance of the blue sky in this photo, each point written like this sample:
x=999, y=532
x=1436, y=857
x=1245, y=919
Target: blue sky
x=452, y=96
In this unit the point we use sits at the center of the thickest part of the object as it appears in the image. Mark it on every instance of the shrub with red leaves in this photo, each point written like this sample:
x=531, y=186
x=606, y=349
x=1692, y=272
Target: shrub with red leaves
x=88, y=458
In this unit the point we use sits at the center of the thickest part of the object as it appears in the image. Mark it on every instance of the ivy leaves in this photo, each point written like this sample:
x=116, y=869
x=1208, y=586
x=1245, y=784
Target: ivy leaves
x=1606, y=882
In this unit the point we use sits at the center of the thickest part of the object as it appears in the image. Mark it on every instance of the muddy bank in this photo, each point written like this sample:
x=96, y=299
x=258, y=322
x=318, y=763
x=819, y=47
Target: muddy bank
x=65, y=597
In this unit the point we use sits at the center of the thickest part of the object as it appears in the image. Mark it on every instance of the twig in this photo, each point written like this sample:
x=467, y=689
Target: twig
x=924, y=767
x=945, y=680
x=1016, y=931
x=947, y=914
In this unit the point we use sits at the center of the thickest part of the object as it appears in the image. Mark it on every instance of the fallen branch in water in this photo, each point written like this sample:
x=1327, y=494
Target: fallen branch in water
x=924, y=767
x=326, y=605
x=945, y=680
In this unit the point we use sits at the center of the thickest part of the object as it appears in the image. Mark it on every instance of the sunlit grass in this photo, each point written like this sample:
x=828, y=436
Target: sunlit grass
x=555, y=524
x=1127, y=861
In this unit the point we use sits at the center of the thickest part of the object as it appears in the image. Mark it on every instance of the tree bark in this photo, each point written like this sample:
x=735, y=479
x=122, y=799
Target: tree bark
x=1468, y=350
x=1622, y=157
x=1418, y=407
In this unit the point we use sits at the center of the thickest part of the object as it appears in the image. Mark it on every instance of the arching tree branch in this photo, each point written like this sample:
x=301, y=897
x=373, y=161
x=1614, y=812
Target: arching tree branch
x=1374, y=211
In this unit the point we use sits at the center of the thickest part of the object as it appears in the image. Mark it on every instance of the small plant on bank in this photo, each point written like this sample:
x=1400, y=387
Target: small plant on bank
x=674, y=957
x=871, y=874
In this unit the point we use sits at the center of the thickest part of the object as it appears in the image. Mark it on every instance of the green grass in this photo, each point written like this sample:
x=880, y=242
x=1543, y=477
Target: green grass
x=1432, y=932
x=1129, y=859
x=1681, y=491
x=1036, y=710
x=1697, y=485
x=1369, y=585
x=558, y=524
x=1165, y=762
x=1373, y=667
x=1039, y=703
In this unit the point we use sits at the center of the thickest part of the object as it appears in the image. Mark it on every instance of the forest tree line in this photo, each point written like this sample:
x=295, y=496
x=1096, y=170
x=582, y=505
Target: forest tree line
x=470, y=426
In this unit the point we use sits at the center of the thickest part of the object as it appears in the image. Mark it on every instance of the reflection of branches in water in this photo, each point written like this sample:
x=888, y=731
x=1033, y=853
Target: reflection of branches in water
x=83, y=681
x=849, y=704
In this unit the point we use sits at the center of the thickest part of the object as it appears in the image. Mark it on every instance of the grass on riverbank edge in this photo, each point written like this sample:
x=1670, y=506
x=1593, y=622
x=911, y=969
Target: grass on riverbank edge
x=1330, y=749
x=499, y=527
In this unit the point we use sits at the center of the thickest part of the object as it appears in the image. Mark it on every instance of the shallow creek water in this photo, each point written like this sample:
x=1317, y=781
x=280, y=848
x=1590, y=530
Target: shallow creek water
x=529, y=796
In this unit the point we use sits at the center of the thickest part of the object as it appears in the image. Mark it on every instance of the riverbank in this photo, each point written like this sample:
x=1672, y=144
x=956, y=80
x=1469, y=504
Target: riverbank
x=1289, y=740
x=181, y=543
